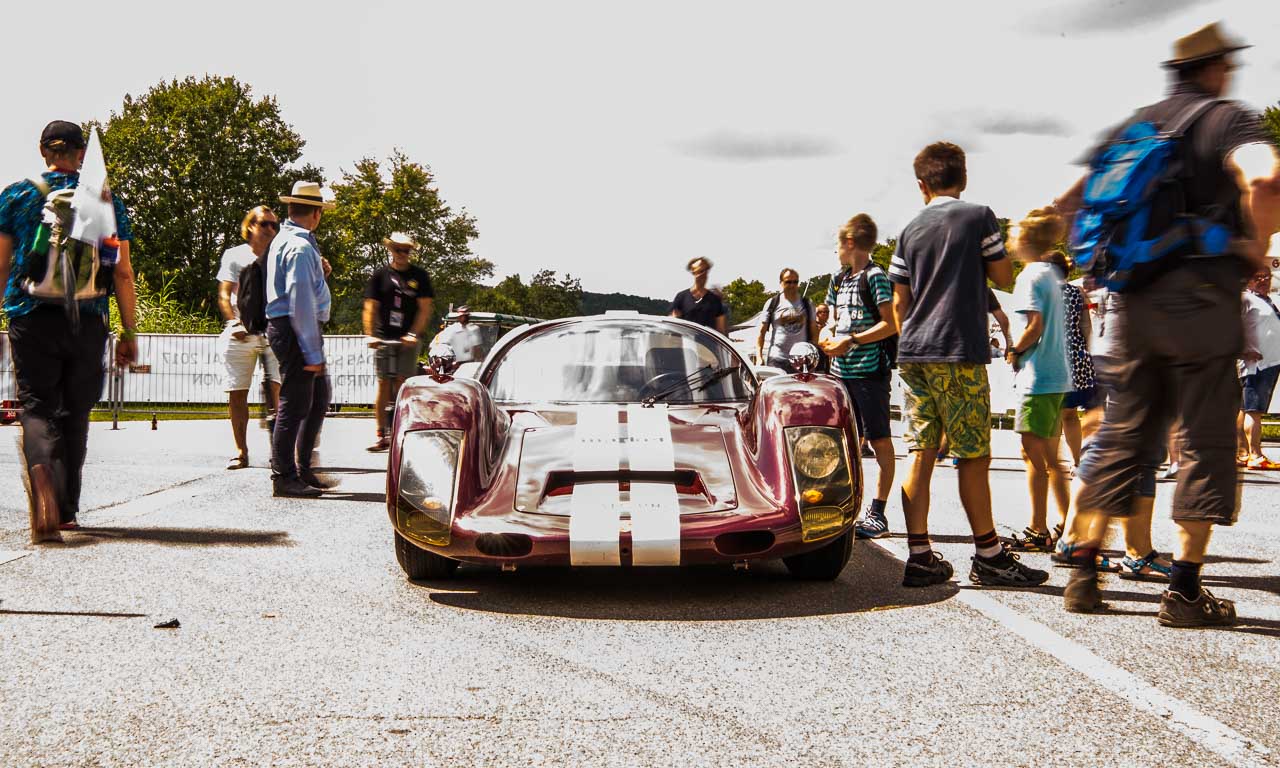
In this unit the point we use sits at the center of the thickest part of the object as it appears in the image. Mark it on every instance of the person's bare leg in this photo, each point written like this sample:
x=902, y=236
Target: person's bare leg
x=1059, y=480
x=1033, y=453
x=1137, y=528
x=915, y=490
x=975, y=493
x=238, y=406
x=1089, y=423
x=1193, y=539
x=883, y=448
x=1073, y=433
x=380, y=399
x=1253, y=434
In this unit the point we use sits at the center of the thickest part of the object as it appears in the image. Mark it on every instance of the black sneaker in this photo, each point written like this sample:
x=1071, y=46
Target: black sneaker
x=936, y=571
x=314, y=480
x=294, y=488
x=1205, y=611
x=1005, y=570
x=1082, y=594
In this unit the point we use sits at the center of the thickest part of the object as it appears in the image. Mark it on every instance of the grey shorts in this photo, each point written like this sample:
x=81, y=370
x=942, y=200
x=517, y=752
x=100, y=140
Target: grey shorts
x=396, y=362
x=1169, y=361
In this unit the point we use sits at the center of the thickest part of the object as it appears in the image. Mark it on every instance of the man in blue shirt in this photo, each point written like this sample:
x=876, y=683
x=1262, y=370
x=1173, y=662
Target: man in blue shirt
x=57, y=357
x=297, y=304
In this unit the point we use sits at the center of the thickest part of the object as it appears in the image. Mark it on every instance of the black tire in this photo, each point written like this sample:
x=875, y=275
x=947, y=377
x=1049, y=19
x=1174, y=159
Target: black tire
x=420, y=565
x=824, y=563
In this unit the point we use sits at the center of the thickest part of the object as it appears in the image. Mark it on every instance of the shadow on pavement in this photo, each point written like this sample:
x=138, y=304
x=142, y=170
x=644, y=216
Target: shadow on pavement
x=181, y=537
x=871, y=582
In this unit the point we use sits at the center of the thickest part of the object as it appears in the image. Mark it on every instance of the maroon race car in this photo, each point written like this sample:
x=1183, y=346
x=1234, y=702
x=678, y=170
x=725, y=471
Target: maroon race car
x=622, y=440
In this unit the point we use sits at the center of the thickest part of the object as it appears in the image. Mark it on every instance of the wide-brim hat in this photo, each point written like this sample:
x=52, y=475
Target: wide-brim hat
x=1208, y=42
x=400, y=239
x=307, y=193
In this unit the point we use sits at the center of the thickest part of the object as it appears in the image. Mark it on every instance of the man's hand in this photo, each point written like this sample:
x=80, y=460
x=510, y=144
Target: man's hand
x=326, y=266
x=1011, y=357
x=126, y=352
x=373, y=341
x=318, y=368
x=837, y=345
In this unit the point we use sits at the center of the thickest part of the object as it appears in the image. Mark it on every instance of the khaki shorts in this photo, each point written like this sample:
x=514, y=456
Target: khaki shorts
x=239, y=358
x=950, y=398
x=397, y=362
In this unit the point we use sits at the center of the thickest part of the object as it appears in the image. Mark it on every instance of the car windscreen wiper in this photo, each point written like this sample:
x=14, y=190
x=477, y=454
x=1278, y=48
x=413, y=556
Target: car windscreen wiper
x=697, y=381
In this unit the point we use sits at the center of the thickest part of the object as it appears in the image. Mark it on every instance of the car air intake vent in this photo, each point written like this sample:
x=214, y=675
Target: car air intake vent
x=504, y=544
x=743, y=542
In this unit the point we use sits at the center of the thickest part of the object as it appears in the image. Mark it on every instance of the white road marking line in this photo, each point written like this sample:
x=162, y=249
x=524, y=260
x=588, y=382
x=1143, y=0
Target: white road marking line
x=8, y=556
x=1180, y=716
x=595, y=511
x=654, y=507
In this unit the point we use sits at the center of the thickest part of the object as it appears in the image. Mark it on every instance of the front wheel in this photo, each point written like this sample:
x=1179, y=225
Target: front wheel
x=419, y=564
x=824, y=563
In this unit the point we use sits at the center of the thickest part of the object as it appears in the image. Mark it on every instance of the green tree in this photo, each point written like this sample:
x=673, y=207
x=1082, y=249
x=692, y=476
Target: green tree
x=1271, y=119
x=190, y=158
x=744, y=298
x=546, y=296
x=372, y=201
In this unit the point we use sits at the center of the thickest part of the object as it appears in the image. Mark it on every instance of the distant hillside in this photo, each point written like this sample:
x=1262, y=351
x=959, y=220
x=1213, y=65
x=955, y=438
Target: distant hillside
x=597, y=303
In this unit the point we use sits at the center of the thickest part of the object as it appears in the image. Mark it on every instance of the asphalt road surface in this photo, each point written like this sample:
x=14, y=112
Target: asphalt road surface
x=301, y=643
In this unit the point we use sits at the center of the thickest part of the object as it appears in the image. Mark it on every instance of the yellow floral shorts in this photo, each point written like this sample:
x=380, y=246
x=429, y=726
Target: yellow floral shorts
x=950, y=398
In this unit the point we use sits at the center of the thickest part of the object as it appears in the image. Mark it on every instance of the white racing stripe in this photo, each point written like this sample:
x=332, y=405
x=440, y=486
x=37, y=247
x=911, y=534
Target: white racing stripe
x=1178, y=715
x=654, y=507
x=594, y=509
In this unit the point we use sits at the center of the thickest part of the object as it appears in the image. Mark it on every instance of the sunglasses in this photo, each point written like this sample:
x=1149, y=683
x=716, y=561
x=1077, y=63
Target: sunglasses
x=790, y=282
x=269, y=224
x=401, y=249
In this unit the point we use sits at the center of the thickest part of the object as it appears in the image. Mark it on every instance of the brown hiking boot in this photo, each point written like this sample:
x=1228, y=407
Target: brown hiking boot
x=1205, y=611
x=1082, y=594
x=44, y=506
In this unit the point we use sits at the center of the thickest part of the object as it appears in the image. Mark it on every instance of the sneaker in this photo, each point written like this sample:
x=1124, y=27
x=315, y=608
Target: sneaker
x=873, y=525
x=1005, y=570
x=1082, y=594
x=314, y=480
x=1205, y=611
x=936, y=571
x=293, y=487
x=867, y=453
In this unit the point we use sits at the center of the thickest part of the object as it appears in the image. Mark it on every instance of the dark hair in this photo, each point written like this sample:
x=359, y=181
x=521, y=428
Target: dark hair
x=783, y=274
x=941, y=166
x=1060, y=260
x=861, y=231
x=301, y=209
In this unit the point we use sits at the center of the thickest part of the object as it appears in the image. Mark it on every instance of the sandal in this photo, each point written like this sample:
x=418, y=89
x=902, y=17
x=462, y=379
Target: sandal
x=1148, y=568
x=1064, y=557
x=238, y=462
x=1030, y=540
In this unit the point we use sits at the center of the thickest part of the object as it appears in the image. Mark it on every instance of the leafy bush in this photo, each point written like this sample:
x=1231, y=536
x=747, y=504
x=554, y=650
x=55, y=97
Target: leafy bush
x=160, y=311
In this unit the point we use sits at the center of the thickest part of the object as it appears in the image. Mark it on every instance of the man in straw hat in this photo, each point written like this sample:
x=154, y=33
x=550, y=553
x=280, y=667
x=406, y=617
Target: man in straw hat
x=397, y=306
x=297, y=304
x=58, y=364
x=1174, y=339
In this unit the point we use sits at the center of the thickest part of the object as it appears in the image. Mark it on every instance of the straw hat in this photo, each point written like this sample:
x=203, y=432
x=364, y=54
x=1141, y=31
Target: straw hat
x=1208, y=42
x=307, y=193
x=399, y=239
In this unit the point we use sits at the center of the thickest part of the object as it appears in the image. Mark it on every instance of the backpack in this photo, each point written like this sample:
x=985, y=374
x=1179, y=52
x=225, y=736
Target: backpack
x=251, y=296
x=889, y=344
x=772, y=307
x=61, y=270
x=1134, y=224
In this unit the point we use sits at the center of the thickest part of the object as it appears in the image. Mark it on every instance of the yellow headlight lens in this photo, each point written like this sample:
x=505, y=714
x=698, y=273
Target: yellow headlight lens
x=816, y=455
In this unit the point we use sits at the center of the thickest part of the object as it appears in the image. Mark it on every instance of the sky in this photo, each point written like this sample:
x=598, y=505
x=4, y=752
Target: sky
x=616, y=141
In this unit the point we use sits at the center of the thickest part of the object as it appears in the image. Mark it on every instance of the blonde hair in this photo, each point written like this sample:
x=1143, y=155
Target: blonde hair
x=251, y=218
x=1042, y=229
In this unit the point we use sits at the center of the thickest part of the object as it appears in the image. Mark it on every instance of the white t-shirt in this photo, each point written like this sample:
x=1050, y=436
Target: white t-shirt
x=234, y=260
x=1261, y=333
x=464, y=340
x=790, y=326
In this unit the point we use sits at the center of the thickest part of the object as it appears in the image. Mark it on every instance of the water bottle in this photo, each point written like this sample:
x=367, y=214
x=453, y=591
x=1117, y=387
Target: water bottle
x=109, y=251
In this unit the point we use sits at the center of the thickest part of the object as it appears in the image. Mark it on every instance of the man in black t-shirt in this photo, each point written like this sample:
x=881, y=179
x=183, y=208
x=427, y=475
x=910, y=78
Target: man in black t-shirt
x=397, y=306
x=1170, y=347
x=700, y=304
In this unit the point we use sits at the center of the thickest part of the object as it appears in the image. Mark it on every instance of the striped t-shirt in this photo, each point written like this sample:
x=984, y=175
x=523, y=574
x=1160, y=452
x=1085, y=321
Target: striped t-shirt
x=844, y=296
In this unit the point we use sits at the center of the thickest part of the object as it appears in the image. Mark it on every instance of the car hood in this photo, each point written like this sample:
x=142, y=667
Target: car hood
x=620, y=450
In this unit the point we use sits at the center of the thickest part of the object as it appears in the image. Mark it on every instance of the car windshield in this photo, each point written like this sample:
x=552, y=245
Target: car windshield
x=617, y=362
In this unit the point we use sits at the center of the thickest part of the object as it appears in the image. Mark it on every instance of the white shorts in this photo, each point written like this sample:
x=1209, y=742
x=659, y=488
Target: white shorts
x=241, y=357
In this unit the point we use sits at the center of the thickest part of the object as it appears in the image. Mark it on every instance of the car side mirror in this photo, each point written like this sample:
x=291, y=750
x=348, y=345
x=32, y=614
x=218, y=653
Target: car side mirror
x=804, y=357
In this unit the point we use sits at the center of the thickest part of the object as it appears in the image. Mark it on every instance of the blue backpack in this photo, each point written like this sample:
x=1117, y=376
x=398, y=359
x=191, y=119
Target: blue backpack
x=1134, y=224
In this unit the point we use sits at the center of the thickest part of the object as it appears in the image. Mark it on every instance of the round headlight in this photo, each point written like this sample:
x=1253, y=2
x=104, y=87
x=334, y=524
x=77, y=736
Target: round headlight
x=817, y=455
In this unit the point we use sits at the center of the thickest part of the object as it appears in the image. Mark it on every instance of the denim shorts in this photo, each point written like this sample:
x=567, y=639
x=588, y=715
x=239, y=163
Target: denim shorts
x=1258, y=388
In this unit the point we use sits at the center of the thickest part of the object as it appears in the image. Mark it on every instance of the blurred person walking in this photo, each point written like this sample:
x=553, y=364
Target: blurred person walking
x=298, y=304
x=244, y=342
x=397, y=307
x=1177, y=329
x=1260, y=364
x=58, y=345
x=1084, y=396
x=700, y=304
